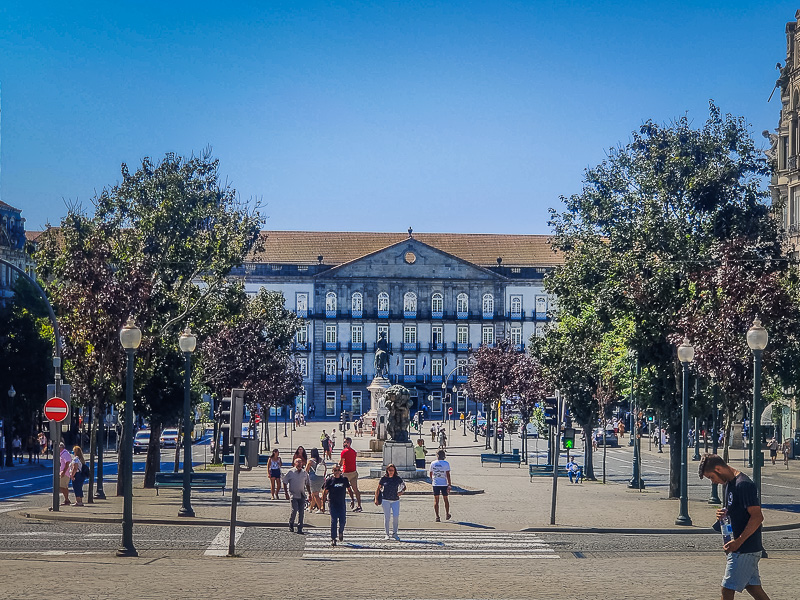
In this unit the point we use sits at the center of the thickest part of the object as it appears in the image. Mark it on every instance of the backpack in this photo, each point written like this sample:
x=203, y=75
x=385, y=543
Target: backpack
x=85, y=470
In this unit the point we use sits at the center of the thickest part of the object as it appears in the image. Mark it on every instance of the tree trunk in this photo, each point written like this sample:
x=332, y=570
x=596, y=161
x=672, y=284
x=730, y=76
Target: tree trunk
x=726, y=440
x=588, y=460
x=100, y=444
x=153, y=464
x=178, y=446
x=675, y=461
x=92, y=451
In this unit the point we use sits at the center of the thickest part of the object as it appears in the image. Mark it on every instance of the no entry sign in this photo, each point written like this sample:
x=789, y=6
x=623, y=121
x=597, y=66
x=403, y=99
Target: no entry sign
x=56, y=409
x=450, y=411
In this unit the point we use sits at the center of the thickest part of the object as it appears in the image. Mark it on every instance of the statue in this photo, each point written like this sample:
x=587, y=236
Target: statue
x=398, y=402
x=382, y=354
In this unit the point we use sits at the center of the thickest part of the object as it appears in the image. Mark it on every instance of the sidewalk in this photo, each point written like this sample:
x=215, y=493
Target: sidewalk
x=493, y=497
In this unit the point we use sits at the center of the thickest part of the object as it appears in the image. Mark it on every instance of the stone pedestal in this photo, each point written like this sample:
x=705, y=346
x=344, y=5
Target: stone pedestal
x=736, y=442
x=401, y=455
x=377, y=391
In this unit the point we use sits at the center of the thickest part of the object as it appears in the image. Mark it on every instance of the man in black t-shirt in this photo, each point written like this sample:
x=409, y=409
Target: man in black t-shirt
x=335, y=488
x=742, y=506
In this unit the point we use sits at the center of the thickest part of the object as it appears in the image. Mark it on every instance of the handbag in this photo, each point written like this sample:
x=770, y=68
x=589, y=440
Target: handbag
x=379, y=496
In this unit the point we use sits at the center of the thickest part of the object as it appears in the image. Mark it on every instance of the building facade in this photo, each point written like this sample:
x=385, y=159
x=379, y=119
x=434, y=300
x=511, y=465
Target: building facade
x=433, y=297
x=12, y=248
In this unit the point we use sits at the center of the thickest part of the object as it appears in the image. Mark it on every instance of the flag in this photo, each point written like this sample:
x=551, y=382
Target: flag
x=424, y=362
x=398, y=361
x=445, y=361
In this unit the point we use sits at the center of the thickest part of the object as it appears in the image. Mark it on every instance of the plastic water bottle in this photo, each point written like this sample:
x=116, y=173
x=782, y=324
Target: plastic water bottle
x=727, y=529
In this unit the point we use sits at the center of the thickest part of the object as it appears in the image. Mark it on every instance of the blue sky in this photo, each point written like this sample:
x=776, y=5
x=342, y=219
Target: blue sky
x=367, y=116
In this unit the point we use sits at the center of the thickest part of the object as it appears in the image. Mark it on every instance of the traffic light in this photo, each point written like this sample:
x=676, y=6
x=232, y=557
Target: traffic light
x=650, y=416
x=232, y=411
x=550, y=411
x=569, y=438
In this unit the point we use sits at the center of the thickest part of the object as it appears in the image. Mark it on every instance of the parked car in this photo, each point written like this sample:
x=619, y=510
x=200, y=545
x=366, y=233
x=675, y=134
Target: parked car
x=169, y=438
x=141, y=441
x=610, y=436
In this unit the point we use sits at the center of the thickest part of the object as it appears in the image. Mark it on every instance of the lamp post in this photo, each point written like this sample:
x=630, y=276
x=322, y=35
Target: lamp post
x=636, y=482
x=344, y=365
x=454, y=406
x=9, y=458
x=714, y=499
x=696, y=455
x=464, y=420
x=757, y=339
x=685, y=356
x=187, y=343
x=130, y=336
x=475, y=427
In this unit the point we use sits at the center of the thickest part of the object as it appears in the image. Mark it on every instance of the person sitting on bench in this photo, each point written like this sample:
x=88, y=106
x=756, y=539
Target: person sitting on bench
x=574, y=470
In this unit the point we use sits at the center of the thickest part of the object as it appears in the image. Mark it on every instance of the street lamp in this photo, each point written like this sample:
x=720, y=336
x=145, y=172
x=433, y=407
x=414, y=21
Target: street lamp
x=7, y=428
x=636, y=482
x=130, y=336
x=685, y=356
x=757, y=339
x=714, y=499
x=454, y=405
x=187, y=343
x=344, y=365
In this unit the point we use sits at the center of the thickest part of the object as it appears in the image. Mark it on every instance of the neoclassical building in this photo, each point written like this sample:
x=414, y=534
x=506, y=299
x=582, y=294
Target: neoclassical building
x=432, y=296
x=12, y=248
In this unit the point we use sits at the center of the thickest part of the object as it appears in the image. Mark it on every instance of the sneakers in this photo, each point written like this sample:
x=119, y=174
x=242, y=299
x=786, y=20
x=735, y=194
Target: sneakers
x=438, y=520
x=341, y=537
x=300, y=531
x=396, y=537
x=386, y=537
x=357, y=509
x=291, y=527
x=333, y=543
x=449, y=516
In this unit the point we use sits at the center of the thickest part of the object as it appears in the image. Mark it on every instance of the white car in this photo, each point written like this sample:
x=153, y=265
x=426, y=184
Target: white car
x=169, y=438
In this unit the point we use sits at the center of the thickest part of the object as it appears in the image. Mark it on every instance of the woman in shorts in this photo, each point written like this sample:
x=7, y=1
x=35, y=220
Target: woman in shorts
x=316, y=469
x=274, y=465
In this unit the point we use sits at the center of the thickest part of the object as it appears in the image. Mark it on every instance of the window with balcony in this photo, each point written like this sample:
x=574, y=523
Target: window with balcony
x=330, y=304
x=541, y=308
x=355, y=402
x=357, y=305
x=515, y=335
x=410, y=334
x=330, y=337
x=410, y=367
x=461, y=371
x=436, y=367
x=437, y=337
x=302, y=366
x=516, y=307
x=437, y=306
x=462, y=306
x=410, y=305
x=462, y=334
x=357, y=366
x=383, y=304
x=357, y=335
x=301, y=304
x=383, y=330
x=302, y=336
x=488, y=306
x=487, y=335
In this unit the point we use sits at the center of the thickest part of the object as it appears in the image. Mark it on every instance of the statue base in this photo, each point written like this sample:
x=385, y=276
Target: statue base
x=401, y=455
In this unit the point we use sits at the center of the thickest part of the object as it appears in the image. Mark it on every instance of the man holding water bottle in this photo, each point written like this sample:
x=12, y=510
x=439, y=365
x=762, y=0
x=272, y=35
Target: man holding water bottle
x=740, y=518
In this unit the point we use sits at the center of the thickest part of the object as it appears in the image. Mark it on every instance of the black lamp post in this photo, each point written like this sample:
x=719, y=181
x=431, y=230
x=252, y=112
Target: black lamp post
x=636, y=482
x=685, y=356
x=344, y=365
x=464, y=423
x=130, y=336
x=187, y=343
x=9, y=458
x=714, y=499
x=475, y=427
x=757, y=339
x=454, y=406
x=696, y=455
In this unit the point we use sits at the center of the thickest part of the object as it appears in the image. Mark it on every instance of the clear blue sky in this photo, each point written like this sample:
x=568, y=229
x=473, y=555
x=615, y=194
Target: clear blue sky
x=370, y=116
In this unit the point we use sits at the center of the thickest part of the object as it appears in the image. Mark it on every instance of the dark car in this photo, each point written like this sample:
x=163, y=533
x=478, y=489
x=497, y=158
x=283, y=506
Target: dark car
x=610, y=436
x=141, y=441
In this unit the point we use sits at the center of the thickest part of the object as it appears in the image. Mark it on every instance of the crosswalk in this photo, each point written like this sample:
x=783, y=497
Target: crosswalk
x=429, y=543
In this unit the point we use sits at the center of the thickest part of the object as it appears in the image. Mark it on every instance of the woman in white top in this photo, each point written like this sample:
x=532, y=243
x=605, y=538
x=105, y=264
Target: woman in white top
x=316, y=479
x=77, y=474
x=274, y=465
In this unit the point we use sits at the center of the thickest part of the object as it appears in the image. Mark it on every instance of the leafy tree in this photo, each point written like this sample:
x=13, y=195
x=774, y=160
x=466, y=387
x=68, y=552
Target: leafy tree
x=647, y=218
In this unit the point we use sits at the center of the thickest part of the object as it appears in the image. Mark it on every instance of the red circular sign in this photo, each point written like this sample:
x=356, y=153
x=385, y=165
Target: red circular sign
x=450, y=411
x=258, y=419
x=56, y=409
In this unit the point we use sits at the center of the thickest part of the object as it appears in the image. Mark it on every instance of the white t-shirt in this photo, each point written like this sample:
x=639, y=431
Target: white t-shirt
x=439, y=470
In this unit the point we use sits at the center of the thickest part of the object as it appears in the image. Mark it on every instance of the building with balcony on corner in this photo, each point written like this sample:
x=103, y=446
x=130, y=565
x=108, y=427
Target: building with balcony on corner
x=433, y=296
x=12, y=249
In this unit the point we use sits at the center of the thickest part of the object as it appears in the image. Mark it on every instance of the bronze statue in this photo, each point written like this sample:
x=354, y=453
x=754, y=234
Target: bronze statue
x=382, y=354
x=398, y=402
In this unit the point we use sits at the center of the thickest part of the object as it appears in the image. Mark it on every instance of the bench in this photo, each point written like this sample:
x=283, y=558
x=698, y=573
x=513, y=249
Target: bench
x=228, y=460
x=511, y=459
x=206, y=481
x=544, y=470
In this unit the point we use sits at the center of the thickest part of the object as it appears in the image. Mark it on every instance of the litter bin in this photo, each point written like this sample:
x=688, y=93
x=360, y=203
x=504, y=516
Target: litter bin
x=250, y=451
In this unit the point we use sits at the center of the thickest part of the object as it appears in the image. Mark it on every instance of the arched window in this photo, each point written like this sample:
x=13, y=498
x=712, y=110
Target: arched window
x=488, y=304
x=437, y=304
x=516, y=305
x=462, y=305
x=409, y=302
x=383, y=302
x=330, y=303
x=357, y=303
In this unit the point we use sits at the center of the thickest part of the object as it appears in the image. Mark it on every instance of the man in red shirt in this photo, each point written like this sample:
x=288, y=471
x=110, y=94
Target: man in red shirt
x=348, y=464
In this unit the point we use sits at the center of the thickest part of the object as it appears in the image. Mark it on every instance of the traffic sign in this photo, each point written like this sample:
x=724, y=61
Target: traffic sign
x=56, y=409
x=450, y=411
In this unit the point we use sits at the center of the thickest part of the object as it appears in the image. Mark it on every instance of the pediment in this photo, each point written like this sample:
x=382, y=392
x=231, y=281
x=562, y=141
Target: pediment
x=410, y=259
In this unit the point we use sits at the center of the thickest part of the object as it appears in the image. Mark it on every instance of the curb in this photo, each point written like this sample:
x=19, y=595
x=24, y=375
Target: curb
x=646, y=531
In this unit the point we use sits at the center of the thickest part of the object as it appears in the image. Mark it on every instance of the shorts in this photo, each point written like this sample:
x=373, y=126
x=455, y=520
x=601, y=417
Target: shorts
x=352, y=477
x=64, y=482
x=741, y=570
x=773, y=453
x=440, y=489
x=420, y=463
x=276, y=473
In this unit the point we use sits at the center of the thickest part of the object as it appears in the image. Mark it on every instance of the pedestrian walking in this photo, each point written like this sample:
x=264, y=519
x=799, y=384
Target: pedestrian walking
x=65, y=461
x=742, y=506
x=373, y=425
x=317, y=470
x=442, y=439
x=325, y=441
x=79, y=471
x=274, y=464
x=785, y=449
x=301, y=454
x=334, y=490
x=387, y=494
x=347, y=461
x=419, y=454
x=333, y=441
x=295, y=486
x=16, y=447
x=434, y=431
x=440, y=479
x=773, y=449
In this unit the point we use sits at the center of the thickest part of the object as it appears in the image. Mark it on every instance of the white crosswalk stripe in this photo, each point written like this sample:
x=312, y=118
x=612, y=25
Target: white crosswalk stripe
x=429, y=543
